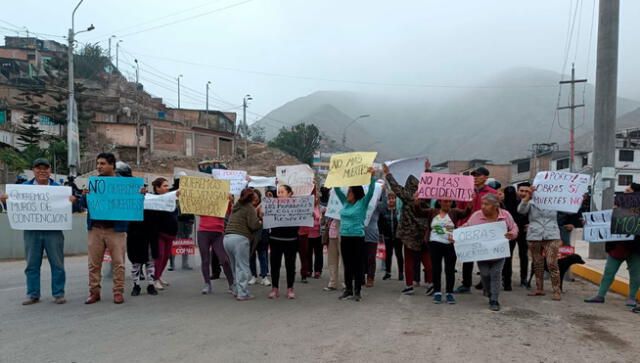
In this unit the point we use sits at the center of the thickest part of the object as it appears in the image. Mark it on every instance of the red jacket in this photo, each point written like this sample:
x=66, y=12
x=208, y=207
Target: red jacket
x=476, y=203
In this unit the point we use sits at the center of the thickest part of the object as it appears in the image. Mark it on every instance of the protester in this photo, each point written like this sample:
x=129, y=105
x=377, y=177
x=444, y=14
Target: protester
x=491, y=270
x=304, y=251
x=441, y=221
x=36, y=242
x=411, y=230
x=371, y=239
x=480, y=176
x=283, y=241
x=352, y=234
x=619, y=252
x=105, y=234
x=210, y=243
x=511, y=201
x=567, y=222
x=244, y=222
x=388, y=224
x=315, y=259
x=185, y=228
x=261, y=252
x=333, y=254
x=543, y=236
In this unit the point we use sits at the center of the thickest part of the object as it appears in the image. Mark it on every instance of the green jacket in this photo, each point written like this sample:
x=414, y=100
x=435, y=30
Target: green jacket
x=243, y=221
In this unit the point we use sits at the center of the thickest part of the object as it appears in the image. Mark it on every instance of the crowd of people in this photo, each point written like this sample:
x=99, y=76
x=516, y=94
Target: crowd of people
x=419, y=232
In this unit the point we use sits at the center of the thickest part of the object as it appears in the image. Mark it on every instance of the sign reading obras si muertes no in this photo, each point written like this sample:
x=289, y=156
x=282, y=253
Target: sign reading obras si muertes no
x=560, y=191
x=481, y=242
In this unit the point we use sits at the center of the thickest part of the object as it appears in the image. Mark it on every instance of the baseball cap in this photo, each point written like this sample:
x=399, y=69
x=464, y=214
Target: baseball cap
x=41, y=161
x=481, y=171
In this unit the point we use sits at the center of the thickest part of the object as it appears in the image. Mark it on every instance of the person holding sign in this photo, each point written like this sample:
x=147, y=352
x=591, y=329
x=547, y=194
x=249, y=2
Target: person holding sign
x=165, y=226
x=283, y=241
x=491, y=270
x=106, y=234
x=352, y=218
x=619, y=252
x=543, y=236
x=244, y=222
x=36, y=242
x=211, y=246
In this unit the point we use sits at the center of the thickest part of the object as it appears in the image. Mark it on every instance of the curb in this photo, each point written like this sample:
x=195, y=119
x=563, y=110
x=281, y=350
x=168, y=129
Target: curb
x=619, y=285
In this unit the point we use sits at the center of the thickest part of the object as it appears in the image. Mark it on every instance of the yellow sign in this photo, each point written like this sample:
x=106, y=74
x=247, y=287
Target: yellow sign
x=350, y=169
x=204, y=196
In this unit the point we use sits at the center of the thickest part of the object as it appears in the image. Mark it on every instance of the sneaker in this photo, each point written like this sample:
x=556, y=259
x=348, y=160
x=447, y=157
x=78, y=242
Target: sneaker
x=136, y=290
x=479, y=286
x=462, y=290
x=291, y=294
x=346, y=295
x=31, y=301
x=274, y=293
x=317, y=275
x=437, y=298
x=206, y=289
x=329, y=288
x=230, y=291
x=357, y=296
x=170, y=268
x=556, y=296
x=631, y=303
x=245, y=298
x=59, y=300
x=408, y=290
x=151, y=290
x=494, y=306
x=386, y=276
x=158, y=285
x=636, y=309
x=400, y=277
x=252, y=281
x=450, y=299
x=266, y=281
x=595, y=299
x=430, y=289
x=164, y=283
x=304, y=280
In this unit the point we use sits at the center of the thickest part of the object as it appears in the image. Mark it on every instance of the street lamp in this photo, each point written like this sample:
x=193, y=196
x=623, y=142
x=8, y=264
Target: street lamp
x=137, y=71
x=118, y=53
x=344, y=132
x=245, y=129
x=73, y=156
x=207, y=105
x=180, y=76
x=111, y=37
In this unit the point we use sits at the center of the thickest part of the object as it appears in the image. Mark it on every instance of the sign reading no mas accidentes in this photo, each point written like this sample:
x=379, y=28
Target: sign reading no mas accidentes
x=39, y=207
x=115, y=198
x=446, y=187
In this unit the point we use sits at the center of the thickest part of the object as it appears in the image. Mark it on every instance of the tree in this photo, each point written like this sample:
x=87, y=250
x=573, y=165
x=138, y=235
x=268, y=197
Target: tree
x=300, y=140
x=257, y=133
x=90, y=62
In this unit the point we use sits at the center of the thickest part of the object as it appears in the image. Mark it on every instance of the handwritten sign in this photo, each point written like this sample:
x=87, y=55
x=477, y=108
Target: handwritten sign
x=334, y=206
x=446, y=187
x=262, y=182
x=298, y=177
x=39, y=207
x=560, y=191
x=626, y=218
x=115, y=198
x=163, y=202
x=204, y=196
x=350, y=169
x=184, y=246
x=402, y=168
x=597, y=227
x=288, y=212
x=237, y=179
x=481, y=242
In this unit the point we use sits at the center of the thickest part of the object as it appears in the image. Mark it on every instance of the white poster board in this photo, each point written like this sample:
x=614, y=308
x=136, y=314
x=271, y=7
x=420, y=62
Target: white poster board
x=262, y=182
x=402, y=168
x=597, y=228
x=39, y=207
x=299, y=177
x=238, y=179
x=481, y=242
x=164, y=202
x=334, y=206
x=560, y=191
x=288, y=212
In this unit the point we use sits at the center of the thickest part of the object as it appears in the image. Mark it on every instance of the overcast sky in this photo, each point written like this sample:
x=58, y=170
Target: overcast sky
x=278, y=50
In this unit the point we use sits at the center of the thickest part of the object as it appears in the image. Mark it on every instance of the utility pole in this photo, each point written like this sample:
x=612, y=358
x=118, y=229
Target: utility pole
x=137, y=72
x=244, y=124
x=572, y=106
x=344, y=132
x=207, y=105
x=180, y=76
x=604, y=135
x=111, y=37
x=118, y=54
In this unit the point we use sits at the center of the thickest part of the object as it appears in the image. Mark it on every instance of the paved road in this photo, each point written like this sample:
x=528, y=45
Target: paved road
x=182, y=325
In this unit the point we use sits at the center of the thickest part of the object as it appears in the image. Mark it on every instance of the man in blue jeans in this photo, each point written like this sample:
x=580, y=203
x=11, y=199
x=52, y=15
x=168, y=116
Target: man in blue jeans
x=36, y=242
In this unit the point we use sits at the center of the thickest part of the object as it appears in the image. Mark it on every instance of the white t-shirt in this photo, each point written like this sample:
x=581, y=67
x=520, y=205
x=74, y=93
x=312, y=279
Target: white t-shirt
x=439, y=231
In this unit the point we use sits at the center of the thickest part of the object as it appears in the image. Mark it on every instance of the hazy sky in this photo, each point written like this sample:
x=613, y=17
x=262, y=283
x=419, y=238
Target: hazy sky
x=277, y=50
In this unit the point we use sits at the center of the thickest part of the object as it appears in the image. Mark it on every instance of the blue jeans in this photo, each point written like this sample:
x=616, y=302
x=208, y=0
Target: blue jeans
x=238, y=249
x=35, y=243
x=263, y=258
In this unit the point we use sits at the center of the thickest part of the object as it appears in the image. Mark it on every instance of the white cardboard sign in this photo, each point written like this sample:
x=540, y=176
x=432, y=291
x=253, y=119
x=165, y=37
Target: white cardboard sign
x=164, y=202
x=481, y=242
x=334, y=206
x=560, y=191
x=299, y=177
x=39, y=207
x=238, y=179
x=597, y=227
x=288, y=212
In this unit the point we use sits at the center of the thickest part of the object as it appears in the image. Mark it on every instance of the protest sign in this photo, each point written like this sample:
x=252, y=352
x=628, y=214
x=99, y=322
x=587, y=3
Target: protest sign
x=350, y=169
x=163, y=202
x=626, y=218
x=288, y=212
x=402, y=168
x=262, y=182
x=183, y=246
x=39, y=207
x=115, y=198
x=560, y=191
x=237, y=179
x=334, y=206
x=597, y=227
x=446, y=187
x=204, y=196
x=481, y=242
x=298, y=177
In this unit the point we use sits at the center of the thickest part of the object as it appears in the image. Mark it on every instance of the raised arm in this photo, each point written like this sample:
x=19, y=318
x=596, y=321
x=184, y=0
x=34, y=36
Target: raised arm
x=341, y=197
